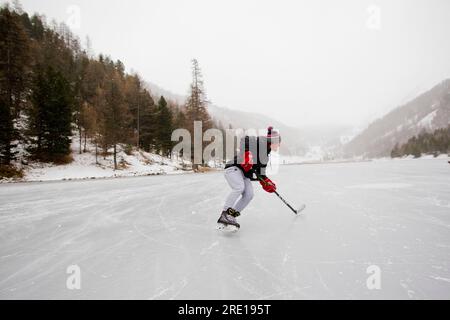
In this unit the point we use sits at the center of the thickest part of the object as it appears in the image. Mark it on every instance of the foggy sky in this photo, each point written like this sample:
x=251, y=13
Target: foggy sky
x=302, y=62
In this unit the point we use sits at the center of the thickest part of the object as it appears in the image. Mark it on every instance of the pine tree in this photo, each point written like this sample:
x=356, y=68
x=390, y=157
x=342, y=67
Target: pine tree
x=116, y=114
x=147, y=121
x=37, y=28
x=196, y=105
x=179, y=122
x=14, y=76
x=134, y=99
x=164, y=127
x=80, y=95
x=51, y=115
x=89, y=118
x=100, y=104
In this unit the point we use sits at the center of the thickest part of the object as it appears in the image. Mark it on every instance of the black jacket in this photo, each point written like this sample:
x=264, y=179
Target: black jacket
x=260, y=149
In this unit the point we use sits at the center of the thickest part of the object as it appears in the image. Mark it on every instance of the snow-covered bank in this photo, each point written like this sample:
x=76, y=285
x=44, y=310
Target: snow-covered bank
x=140, y=163
x=84, y=166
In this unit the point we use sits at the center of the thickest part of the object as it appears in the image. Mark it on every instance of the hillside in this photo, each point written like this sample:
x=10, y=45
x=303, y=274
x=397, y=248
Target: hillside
x=427, y=112
x=437, y=142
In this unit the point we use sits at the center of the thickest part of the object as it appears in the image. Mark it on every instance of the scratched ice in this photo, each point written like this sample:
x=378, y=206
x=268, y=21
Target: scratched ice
x=139, y=237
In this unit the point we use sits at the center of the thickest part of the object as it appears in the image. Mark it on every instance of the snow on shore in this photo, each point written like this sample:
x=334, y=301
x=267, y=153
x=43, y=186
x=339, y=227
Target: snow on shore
x=83, y=166
x=141, y=163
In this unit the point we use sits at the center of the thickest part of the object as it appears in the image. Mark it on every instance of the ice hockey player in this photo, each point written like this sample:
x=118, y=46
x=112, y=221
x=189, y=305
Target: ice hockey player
x=249, y=165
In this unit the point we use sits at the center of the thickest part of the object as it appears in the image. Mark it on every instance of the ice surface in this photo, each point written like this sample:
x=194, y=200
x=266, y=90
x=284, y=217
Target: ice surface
x=156, y=238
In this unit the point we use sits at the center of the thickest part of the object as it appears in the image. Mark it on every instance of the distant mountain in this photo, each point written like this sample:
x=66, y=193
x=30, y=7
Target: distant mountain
x=328, y=135
x=428, y=112
x=327, y=140
x=292, y=138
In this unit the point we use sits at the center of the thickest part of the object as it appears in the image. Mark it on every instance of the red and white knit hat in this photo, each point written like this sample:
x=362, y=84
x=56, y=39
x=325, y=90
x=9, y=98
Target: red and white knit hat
x=273, y=135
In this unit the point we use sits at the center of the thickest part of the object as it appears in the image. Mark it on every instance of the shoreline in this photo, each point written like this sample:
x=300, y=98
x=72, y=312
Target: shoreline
x=212, y=170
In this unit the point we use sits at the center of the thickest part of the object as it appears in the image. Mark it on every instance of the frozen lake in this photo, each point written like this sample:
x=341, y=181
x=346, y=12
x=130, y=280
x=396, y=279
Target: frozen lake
x=155, y=238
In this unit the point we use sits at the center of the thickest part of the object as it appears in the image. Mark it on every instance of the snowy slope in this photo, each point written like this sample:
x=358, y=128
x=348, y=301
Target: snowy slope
x=429, y=111
x=138, y=163
x=155, y=238
x=427, y=121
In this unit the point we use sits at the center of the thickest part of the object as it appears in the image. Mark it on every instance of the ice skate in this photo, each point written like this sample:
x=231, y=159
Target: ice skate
x=227, y=220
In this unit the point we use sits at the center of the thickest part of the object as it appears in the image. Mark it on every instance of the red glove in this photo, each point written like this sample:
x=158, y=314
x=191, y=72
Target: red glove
x=247, y=163
x=268, y=185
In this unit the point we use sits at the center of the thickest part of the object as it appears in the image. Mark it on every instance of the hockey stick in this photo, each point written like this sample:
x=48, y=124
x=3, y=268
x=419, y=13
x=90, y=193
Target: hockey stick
x=300, y=209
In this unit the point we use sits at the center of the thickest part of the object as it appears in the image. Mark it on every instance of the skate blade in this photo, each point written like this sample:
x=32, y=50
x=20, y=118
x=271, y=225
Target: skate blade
x=226, y=228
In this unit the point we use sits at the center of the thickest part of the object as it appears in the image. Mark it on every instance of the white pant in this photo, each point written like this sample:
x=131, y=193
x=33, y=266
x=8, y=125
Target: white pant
x=242, y=189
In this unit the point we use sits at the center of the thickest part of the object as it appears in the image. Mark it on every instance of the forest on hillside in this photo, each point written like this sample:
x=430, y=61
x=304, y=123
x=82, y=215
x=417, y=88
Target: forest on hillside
x=436, y=142
x=53, y=89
